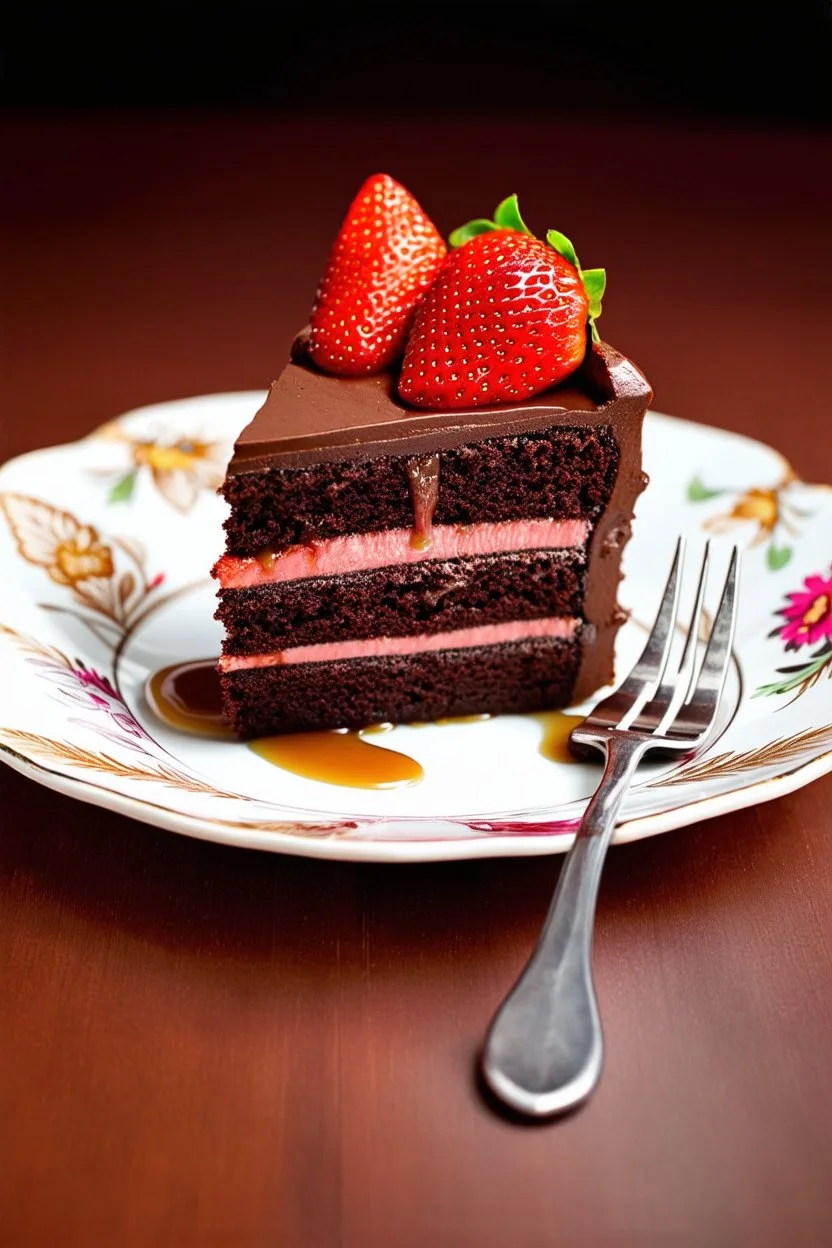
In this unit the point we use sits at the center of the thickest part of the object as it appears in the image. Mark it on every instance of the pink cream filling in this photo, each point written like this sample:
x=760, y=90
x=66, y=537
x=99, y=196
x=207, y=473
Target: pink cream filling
x=361, y=552
x=460, y=638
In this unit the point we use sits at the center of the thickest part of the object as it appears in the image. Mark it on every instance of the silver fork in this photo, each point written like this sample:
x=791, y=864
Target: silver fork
x=544, y=1050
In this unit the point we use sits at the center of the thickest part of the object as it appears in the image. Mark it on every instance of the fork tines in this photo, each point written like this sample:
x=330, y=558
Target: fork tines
x=675, y=704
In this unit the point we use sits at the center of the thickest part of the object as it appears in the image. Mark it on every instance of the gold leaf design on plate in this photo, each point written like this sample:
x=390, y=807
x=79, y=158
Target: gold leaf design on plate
x=323, y=830
x=126, y=586
x=783, y=750
x=76, y=756
x=61, y=751
x=53, y=539
x=75, y=556
x=133, y=549
x=36, y=649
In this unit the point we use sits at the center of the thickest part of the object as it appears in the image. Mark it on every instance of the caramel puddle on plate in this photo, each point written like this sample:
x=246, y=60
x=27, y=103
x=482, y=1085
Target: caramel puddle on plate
x=340, y=756
x=187, y=696
x=554, y=743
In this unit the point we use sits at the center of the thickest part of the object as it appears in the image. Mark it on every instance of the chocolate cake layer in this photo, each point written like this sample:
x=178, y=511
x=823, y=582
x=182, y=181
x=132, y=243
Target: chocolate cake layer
x=431, y=597
x=567, y=473
x=503, y=679
x=328, y=457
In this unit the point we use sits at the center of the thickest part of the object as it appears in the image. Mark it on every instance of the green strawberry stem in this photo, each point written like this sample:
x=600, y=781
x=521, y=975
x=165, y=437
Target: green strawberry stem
x=562, y=246
x=595, y=283
x=507, y=217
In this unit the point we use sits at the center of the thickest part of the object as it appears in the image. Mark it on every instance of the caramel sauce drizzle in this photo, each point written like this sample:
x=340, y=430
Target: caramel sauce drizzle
x=340, y=756
x=186, y=696
x=423, y=475
x=554, y=743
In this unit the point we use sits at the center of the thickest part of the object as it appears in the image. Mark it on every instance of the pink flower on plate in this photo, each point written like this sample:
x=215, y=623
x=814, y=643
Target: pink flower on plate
x=809, y=616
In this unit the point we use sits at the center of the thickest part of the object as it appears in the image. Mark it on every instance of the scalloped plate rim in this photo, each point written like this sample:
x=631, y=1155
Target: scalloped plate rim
x=423, y=850
x=373, y=847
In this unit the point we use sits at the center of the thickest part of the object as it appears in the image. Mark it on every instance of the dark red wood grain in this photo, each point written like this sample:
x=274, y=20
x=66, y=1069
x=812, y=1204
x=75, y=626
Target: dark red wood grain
x=203, y=1045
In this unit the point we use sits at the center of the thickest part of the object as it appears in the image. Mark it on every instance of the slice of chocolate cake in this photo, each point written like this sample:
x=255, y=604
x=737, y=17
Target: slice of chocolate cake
x=393, y=559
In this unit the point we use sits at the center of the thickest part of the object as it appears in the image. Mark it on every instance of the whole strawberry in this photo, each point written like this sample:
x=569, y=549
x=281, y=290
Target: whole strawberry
x=507, y=317
x=385, y=256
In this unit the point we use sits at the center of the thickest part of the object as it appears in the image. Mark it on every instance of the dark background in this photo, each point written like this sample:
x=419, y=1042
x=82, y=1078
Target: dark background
x=205, y=1046
x=728, y=60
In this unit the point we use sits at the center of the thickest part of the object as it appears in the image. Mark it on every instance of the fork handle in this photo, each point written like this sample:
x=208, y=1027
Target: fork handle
x=544, y=1050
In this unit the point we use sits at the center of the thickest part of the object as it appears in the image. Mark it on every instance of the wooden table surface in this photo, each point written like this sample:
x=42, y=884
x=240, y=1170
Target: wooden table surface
x=204, y=1045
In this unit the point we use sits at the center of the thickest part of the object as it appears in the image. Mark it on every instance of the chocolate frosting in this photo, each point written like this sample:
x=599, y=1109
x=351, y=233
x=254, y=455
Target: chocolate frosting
x=311, y=417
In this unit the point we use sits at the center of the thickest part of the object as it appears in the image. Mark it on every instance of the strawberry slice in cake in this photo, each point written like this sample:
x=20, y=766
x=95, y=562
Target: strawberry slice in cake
x=428, y=512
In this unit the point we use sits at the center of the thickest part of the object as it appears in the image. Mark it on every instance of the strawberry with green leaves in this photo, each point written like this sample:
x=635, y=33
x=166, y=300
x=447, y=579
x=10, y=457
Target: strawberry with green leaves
x=386, y=255
x=507, y=316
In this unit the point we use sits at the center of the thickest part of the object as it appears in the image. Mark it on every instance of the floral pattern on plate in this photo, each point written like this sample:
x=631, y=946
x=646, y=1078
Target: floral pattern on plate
x=93, y=608
x=808, y=623
x=768, y=516
x=179, y=467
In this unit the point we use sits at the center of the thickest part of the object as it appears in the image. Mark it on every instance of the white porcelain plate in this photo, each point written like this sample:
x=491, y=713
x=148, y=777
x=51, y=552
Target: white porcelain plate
x=105, y=547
